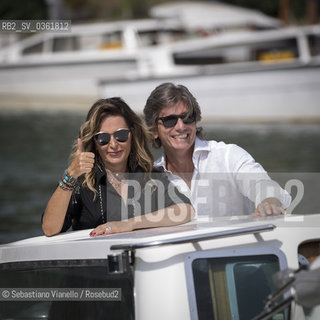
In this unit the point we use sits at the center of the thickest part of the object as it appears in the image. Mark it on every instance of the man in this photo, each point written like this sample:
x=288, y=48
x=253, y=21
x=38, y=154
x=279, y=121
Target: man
x=220, y=179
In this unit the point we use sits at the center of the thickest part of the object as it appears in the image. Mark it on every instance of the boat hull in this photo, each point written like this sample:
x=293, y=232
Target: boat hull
x=276, y=95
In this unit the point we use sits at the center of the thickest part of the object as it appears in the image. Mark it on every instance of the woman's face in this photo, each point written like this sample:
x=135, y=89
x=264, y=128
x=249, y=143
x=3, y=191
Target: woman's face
x=114, y=154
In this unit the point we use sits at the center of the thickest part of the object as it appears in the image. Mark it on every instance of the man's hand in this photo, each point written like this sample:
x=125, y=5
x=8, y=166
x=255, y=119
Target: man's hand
x=269, y=207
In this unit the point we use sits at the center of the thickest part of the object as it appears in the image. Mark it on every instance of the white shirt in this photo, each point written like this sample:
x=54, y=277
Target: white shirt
x=226, y=181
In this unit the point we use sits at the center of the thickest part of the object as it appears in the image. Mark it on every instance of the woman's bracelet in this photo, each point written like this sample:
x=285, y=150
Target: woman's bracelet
x=68, y=182
x=64, y=187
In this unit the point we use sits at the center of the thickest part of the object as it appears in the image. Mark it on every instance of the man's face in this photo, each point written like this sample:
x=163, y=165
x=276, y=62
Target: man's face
x=179, y=136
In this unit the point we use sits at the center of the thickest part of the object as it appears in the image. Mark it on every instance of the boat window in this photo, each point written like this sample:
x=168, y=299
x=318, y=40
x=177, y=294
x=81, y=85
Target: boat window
x=314, y=44
x=275, y=51
x=66, y=274
x=155, y=37
x=65, y=44
x=231, y=287
x=34, y=49
x=90, y=42
x=111, y=40
x=148, y=38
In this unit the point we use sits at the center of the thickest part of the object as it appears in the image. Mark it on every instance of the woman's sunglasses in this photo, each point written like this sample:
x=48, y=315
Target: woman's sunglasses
x=103, y=138
x=171, y=121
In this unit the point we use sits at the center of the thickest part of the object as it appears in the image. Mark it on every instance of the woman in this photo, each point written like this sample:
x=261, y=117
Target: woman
x=111, y=185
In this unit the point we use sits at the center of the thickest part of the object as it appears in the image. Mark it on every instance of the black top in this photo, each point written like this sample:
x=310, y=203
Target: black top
x=146, y=193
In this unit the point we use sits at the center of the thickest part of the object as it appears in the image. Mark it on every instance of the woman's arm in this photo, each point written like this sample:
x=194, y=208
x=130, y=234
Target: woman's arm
x=55, y=212
x=57, y=206
x=174, y=215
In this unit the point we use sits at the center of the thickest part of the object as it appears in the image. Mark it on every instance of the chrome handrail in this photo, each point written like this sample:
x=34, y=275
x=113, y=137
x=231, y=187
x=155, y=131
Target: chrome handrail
x=196, y=238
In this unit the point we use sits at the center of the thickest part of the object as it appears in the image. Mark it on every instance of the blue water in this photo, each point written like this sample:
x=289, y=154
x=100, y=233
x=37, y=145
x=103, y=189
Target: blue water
x=35, y=147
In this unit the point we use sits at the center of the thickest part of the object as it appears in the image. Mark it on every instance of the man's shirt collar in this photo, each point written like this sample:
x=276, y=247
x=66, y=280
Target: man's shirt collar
x=199, y=147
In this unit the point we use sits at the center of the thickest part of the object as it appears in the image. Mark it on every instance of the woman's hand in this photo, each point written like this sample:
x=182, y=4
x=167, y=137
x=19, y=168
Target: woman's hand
x=171, y=216
x=82, y=163
x=112, y=227
x=268, y=207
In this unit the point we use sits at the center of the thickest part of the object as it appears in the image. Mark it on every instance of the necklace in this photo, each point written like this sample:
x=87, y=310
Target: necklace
x=101, y=205
x=115, y=180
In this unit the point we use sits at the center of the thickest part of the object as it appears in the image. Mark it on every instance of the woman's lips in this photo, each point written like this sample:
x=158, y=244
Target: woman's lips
x=115, y=153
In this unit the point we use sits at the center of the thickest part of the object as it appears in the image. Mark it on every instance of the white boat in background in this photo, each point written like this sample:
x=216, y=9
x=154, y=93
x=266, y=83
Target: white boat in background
x=214, y=16
x=245, y=76
x=219, y=269
x=63, y=69
x=67, y=66
x=238, y=73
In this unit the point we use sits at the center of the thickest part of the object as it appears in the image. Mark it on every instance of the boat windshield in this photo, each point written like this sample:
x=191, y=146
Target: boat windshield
x=53, y=289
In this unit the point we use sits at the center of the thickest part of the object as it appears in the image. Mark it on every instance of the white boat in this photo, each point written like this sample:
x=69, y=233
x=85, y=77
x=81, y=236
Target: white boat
x=68, y=65
x=63, y=69
x=215, y=269
x=245, y=76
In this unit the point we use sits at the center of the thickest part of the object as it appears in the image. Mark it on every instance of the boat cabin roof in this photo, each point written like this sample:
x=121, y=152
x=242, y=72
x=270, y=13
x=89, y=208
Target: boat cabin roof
x=290, y=230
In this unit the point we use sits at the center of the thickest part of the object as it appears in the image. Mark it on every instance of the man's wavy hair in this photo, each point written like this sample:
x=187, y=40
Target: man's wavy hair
x=169, y=94
x=140, y=155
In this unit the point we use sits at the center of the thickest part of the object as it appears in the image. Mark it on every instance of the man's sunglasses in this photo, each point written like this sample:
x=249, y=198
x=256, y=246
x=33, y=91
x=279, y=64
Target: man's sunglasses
x=103, y=138
x=171, y=121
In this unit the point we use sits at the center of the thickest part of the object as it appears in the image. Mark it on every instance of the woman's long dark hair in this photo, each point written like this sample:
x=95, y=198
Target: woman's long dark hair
x=140, y=155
